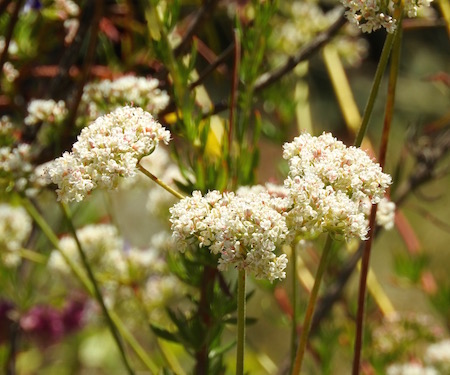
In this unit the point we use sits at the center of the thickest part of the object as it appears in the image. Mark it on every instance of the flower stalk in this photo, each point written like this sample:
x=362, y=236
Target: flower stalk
x=159, y=182
x=310, y=308
x=365, y=263
x=78, y=272
x=97, y=293
x=241, y=312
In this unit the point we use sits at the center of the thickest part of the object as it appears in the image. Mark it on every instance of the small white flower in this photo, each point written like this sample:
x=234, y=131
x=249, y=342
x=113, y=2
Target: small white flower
x=15, y=227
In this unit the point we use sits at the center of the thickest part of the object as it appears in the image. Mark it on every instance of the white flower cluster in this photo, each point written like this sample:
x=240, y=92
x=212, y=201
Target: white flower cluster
x=48, y=111
x=245, y=229
x=303, y=20
x=438, y=355
x=400, y=332
x=119, y=266
x=15, y=167
x=371, y=15
x=6, y=131
x=105, y=151
x=108, y=254
x=385, y=212
x=410, y=369
x=139, y=91
x=328, y=184
x=10, y=72
x=15, y=227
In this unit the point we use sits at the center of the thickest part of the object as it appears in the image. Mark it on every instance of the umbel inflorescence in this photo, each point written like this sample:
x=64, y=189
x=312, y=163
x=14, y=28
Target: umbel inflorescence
x=327, y=190
x=105, y=151
x=330, y=184
x=371, y=15
x=244, y=228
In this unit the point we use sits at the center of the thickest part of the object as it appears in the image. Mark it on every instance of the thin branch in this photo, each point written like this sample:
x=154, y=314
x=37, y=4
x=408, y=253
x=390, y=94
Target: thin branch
x=9, y=33
x=305, y=53
x=97, y=293
x=365, y=264
x=234, y=86
x=3, y=5
x=197, y=20
x=441, y=224
x=211, y=67
x=268, y=78
x=427, y=159
x=88, y=62
x=59, y=84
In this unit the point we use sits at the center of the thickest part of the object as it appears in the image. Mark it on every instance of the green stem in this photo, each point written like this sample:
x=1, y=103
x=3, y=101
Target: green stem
x=159, y=182
x=362, y=293
x=365, y=262
x=137, y=348
x=310, y=308
x=392, y=85
x=48, y=232
x=294, y=303
x=240, y=323
x=375, y=86
x=97, y=293
x=32, y=255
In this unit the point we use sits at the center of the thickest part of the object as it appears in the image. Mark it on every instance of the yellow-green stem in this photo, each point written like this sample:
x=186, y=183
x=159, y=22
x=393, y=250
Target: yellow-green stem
x=97, y=293
x=32, y=255
x=294, y=303
x=159, y=182
x=137, y=348
x=365, y=263
x=375, y=86
x=310, y=308
x=48, y=232
x=240, y=323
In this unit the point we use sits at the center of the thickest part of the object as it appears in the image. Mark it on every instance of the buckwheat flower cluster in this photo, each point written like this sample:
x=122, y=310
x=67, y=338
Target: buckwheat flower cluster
x=299, y=22
x=110, y=255
x=101, y=244
x=328, y=182
x=48, y=111
x=15, y=227
x=372, y=15
x=10, y=72
x=6, y=130
x=399, y=333
x=106, y=151
x=385, y=212
x=140, y=91
x=438, y=355
x=244, y=229
x=120, y=268
x=15, y=167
